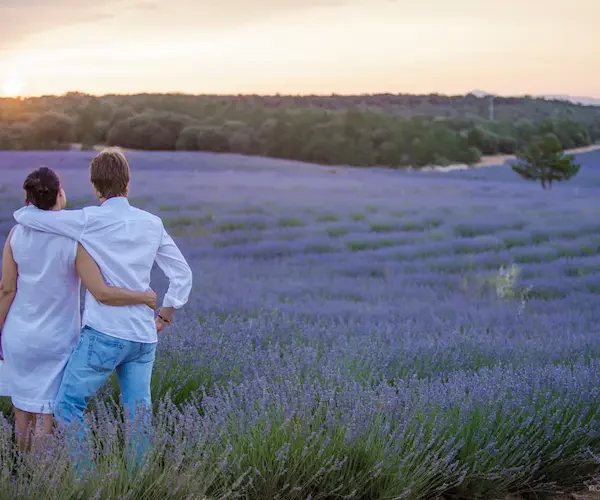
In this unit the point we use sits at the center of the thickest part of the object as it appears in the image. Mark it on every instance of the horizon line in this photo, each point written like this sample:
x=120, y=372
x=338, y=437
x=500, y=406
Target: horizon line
x=476, y=93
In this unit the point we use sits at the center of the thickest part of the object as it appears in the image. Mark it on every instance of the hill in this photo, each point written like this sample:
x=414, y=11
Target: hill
x=586, y=101
x=361, y=130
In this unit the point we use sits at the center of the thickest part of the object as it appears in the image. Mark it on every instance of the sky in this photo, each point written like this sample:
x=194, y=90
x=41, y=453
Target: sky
x=508, y=47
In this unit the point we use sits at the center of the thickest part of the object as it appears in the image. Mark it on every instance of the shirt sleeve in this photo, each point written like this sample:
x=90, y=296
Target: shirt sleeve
x=69, y=223
x=170, y=259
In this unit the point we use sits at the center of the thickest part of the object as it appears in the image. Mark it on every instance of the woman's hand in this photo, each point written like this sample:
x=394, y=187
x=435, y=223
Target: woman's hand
x=151, y=299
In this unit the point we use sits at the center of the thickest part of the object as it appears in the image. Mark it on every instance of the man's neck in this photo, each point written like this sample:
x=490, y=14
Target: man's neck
x=103, y=200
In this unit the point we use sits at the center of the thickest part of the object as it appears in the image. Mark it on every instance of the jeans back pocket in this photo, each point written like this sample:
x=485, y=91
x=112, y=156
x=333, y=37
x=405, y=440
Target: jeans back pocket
x=104, y=352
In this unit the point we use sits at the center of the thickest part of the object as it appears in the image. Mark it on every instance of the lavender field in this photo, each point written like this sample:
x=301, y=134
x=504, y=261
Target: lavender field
x=352, y=334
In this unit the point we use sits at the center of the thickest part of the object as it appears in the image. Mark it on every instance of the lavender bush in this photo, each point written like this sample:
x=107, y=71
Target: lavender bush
x=365, y=335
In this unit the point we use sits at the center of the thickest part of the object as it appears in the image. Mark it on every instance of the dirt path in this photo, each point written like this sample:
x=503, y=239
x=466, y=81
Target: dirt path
x=488, y=161
x=496, y=160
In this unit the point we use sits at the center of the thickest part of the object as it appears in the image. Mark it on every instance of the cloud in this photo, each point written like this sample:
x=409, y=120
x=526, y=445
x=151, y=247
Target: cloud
x=208, y=14
x=146, y=6
x=20, y=19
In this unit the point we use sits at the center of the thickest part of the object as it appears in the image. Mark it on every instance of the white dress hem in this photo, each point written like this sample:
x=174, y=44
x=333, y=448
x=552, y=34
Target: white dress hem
x=30, y=406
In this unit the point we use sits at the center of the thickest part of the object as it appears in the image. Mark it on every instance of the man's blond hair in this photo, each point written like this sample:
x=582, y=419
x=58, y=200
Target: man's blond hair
x=109, y=173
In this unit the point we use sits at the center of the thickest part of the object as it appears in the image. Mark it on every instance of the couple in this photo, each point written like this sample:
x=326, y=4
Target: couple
x=52, y=367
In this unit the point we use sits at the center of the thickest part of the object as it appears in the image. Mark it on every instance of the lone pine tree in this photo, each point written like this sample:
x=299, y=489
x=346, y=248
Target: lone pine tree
x=545, y=161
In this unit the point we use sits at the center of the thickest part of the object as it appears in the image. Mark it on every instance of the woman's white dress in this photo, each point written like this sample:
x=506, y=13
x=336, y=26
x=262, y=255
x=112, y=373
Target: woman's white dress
x=43, y=325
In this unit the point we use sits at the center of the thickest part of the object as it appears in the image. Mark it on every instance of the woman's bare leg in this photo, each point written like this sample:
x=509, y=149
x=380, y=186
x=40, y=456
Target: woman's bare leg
x=24, y=422
x=47, y=423
x=43, y=428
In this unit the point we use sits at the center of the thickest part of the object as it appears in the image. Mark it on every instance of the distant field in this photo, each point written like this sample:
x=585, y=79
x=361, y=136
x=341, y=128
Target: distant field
x=365, y=334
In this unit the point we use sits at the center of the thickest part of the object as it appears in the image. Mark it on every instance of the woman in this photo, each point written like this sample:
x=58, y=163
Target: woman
x=40, y=308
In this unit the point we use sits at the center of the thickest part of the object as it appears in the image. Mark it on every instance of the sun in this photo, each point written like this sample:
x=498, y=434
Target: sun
x=12, y=86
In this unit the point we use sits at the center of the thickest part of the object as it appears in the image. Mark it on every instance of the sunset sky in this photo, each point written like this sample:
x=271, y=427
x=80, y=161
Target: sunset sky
x=300, y=46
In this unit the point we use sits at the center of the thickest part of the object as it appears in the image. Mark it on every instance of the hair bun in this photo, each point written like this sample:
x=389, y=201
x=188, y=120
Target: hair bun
x=33, y=183
x=42, y=187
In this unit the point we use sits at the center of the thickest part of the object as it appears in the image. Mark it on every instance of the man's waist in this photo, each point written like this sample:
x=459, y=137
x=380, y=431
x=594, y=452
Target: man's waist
x=126, y=321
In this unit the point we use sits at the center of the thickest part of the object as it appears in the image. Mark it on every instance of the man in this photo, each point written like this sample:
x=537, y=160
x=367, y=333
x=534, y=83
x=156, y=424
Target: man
x=125, y=242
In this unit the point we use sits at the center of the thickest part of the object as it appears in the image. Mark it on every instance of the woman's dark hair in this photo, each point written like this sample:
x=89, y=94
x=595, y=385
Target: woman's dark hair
x=42, y=187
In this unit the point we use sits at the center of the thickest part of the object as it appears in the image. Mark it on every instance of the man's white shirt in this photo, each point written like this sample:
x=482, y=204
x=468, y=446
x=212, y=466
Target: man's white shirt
x=125, y=242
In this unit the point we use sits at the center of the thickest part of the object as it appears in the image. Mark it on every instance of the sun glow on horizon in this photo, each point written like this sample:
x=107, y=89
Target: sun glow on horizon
x=13, y=86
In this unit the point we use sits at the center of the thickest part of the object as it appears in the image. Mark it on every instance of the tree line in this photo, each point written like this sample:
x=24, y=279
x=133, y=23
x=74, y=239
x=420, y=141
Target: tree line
x=394, y=131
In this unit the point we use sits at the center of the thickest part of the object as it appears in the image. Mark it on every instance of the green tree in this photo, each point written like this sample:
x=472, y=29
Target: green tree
x=212, y=140
x=241, y=142
x=544, y=160
x=150, y=131
x=87, y=118
x=52, y=130
x=203, y=138
x=484, y=140
x=188, y=139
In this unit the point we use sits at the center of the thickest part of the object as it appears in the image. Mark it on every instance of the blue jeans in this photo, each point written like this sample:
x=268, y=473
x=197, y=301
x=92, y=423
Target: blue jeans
x=93, y=361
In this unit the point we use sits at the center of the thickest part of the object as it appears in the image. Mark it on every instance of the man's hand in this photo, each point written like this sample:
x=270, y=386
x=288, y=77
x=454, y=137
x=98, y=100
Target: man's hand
x=160, y=325
x=164, y=318
x=151, y=299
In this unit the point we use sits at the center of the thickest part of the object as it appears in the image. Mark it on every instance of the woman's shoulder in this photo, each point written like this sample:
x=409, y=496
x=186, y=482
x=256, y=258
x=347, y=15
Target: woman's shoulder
x=17, y=228
x=28, y=244
x=42, y=238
